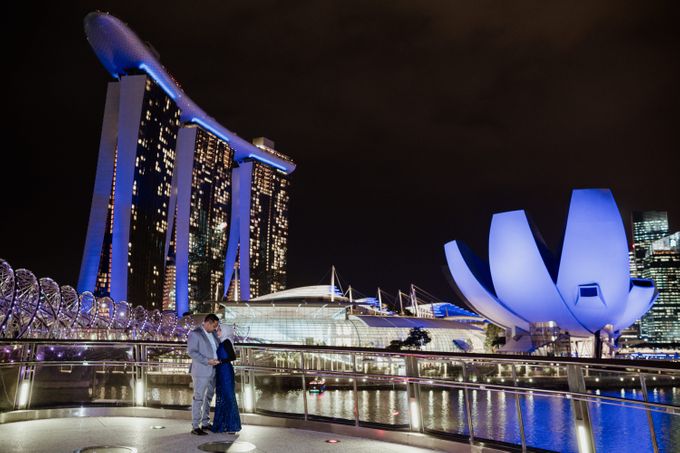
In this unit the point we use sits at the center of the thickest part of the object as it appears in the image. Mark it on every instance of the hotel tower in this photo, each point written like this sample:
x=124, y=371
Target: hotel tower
x=178, y=198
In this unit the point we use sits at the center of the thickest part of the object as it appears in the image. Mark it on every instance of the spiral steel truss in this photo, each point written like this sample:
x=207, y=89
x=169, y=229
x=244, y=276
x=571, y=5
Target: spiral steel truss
x=40, y=308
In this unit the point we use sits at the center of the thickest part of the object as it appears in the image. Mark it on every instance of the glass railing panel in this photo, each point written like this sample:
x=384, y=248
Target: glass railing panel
x=548, y=423
x=279, y=394
x=663, y=388
x=667, y=430
x=84, y=353
x=610, y=423
x=550, y=376
x=69, y=385
x=394, y=365
x=443, y=410
x=272, y=358
x=324, y=361
x=330, y=400
x=9, y=378
x=613, y=382
x=168, y=380
x=488, y=372
x=494, y=416
x=167, y=359
x=10, y=353
x=85, y=382
x=382, y=403
x=168, y=391
x=440, y=369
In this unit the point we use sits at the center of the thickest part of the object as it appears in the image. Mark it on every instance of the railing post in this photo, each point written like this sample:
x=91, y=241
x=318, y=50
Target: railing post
x=519, y=411
x=355, y=390
x=650, y=420
x=139, y=354
x=582, y=422
x=468, y=409
x=304, y=384
x=249, y=394
x=22, y=397
x=413, y=392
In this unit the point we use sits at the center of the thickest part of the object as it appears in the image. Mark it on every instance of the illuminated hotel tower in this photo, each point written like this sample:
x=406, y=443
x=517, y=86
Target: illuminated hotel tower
x=176, y=192
x=261, y=212
x=203, y=214
x=130, y=212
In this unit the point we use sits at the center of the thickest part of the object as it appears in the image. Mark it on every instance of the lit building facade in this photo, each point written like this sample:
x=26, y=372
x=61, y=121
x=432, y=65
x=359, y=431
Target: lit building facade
x=661, y=324
x=262, y=216
x=177, y=195
x=268, y=243
x=203, y=214
x=648, y=226
x=129, y=221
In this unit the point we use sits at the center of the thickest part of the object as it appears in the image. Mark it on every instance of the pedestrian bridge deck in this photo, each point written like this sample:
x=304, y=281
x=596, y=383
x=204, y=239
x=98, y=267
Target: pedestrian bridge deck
x=70, y=434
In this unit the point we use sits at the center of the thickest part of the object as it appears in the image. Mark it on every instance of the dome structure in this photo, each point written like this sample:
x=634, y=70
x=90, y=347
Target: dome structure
x=584, y=290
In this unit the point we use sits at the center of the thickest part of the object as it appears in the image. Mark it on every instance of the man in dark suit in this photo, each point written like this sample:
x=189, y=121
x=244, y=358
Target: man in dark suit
x=202, y=348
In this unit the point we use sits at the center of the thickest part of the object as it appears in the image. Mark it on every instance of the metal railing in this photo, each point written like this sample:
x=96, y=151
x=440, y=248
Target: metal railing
x=527, y=403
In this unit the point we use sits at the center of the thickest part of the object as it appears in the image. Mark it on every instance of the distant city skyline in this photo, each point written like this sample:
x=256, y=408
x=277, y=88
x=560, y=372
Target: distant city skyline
x=413, y=122
x=656, y=252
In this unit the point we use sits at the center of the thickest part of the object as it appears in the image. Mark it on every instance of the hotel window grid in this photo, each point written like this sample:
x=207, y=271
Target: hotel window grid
x=209, y=218
x=154, y=167
x=268, y=230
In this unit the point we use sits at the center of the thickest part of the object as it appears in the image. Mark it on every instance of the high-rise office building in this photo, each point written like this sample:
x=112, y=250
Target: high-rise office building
x=662, y=264
x=176, y=193
x=648, y=226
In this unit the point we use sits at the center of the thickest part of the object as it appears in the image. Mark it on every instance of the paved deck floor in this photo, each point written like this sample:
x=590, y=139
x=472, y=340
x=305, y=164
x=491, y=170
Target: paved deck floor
x=70, y=434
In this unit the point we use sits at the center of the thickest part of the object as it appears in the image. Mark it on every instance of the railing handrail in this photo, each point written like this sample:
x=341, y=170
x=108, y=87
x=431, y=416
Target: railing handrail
x=652, y=365
x=616, y=363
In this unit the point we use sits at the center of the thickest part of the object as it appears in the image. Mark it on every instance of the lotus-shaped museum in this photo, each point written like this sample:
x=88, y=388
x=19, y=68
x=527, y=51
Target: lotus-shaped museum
x=584, y=290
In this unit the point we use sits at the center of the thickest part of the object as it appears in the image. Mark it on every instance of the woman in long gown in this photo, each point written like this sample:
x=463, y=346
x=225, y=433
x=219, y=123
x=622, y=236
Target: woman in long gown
x=226, y=417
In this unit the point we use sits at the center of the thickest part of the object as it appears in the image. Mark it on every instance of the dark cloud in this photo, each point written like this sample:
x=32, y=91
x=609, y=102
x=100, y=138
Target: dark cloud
x=411, y=122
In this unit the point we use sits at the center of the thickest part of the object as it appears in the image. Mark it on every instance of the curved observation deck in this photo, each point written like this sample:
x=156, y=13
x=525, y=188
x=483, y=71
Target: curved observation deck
x=122, y=52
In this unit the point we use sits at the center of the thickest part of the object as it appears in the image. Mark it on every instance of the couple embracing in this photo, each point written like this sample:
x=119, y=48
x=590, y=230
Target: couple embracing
x=211, y=348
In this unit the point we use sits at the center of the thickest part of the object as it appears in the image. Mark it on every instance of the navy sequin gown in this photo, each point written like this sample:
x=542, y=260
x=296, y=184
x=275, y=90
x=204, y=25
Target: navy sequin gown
x=226, y=417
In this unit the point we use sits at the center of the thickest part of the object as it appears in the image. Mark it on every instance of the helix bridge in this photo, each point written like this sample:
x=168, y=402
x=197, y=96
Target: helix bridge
x=32, y=307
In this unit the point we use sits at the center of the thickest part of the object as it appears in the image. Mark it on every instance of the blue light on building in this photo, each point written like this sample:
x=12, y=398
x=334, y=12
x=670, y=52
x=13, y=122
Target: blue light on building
x=589, y=292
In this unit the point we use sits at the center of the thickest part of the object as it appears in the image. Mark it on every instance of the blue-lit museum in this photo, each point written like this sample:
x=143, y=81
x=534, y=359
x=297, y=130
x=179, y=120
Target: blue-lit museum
x=585, y=291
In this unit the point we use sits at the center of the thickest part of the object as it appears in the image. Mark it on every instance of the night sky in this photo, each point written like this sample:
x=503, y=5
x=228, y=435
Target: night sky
x=411, y=122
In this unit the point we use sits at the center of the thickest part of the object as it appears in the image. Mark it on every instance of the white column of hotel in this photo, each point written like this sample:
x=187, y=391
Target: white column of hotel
x=234, y=232
x=186, y=143
x=245, y=183
x=129, y=114
x=102, y=191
